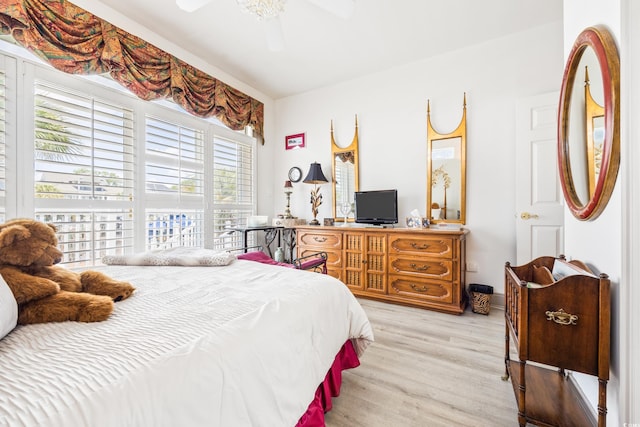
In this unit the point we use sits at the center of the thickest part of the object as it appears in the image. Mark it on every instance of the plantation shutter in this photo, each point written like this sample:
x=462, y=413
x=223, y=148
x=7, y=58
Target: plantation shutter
x=84, y=164
x=174, y=182
x=233, y=189
x=3, y=127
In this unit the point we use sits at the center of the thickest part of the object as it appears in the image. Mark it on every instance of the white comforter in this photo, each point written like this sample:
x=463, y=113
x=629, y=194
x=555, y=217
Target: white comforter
x=241, y=345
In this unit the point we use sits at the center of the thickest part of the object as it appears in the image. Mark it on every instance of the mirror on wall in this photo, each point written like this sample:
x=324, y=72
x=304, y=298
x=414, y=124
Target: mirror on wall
x=345, y=177
x=446, y=171
x=589, y=123
x=594, y=131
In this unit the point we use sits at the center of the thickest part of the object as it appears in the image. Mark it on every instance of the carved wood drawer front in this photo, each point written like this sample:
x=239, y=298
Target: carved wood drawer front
x=319, y=239
x=420, y=288
x=432, y=247
x=334, y=258
x=439, y=269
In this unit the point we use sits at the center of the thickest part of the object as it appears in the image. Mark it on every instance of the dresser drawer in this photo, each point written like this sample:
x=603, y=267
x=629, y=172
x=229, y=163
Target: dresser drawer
x=432, y=247
x=422, y=289
x=319, y=239
x=437, y=269
x=334, y=258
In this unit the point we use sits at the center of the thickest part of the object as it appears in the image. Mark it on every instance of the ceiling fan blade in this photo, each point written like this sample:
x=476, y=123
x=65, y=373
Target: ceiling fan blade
x=191, y=5
x=273, y=34
x=341, y=8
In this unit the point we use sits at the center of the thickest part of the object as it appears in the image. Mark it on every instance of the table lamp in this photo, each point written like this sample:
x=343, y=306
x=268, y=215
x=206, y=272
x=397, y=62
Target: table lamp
x=288, y=188
x=315, y=177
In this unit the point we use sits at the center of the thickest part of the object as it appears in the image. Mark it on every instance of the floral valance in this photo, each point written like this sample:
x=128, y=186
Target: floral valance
x=75, y=41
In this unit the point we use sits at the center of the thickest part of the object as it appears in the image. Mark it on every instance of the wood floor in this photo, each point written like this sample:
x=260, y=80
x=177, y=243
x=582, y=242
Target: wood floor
x=427, y=369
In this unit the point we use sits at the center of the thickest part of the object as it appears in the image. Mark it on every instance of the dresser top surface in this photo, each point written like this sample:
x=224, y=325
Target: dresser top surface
x=356, y=228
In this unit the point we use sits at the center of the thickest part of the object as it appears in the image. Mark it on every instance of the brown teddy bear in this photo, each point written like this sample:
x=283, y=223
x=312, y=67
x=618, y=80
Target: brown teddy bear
x=48, y=293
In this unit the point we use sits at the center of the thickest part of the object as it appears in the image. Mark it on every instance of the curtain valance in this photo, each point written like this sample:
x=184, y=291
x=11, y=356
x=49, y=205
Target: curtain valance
x=75, y=41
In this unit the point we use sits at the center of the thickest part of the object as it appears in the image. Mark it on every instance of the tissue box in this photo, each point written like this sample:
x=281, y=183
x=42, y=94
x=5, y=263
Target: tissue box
x=257, y=221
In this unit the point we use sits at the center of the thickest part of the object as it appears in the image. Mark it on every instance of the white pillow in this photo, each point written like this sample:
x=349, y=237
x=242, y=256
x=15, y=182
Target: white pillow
x=8, y=309
x=183, y=256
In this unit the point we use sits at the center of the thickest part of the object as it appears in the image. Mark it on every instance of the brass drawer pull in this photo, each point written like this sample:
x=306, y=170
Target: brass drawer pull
x=417, y=289
x=320, y=239
x=423, y=246
x=423, y=268
x=562, y=318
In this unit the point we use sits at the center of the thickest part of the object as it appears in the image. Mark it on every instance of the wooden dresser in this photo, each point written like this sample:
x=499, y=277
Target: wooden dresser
x=563, y=325
x=417, y=267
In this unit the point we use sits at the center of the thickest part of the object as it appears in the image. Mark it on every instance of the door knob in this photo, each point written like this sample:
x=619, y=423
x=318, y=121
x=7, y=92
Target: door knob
x=527, y=215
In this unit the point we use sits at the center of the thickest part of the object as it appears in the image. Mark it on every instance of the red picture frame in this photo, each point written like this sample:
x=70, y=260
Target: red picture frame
x=294, y=141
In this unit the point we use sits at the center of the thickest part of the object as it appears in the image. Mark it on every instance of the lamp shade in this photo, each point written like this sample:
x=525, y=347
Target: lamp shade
x=287, y=184
x=315, y=175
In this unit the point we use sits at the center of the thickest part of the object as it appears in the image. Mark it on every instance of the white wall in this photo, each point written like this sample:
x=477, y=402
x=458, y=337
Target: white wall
x=391, y=108
x=599, y=242
x=629, y=294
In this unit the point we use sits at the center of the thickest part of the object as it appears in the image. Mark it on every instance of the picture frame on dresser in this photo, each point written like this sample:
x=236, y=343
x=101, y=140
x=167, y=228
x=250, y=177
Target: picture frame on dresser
x=328, y=222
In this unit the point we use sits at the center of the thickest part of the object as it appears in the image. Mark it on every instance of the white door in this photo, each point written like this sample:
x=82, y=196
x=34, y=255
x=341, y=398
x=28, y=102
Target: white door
x=539, y=199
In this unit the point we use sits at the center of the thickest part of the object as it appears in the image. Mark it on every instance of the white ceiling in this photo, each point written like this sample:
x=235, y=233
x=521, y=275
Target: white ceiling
x=322, y=49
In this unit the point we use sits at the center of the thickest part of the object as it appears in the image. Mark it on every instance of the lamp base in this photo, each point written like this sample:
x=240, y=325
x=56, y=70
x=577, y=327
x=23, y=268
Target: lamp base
x=314, y=222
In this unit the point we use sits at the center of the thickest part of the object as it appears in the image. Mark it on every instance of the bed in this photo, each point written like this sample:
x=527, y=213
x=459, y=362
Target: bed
x=247, y=344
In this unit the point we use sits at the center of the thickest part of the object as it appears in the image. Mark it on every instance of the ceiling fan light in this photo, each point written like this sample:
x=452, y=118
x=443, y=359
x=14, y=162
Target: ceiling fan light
x=263, y=9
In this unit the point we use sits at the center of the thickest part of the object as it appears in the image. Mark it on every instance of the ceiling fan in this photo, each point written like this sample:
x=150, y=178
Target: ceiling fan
x=269, y=11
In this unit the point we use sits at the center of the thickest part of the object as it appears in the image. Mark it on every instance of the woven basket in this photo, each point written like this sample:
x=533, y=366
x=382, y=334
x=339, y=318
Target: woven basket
x=480, y=302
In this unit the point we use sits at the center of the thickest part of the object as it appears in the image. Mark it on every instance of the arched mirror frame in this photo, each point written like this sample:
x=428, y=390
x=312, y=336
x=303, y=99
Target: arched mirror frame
x=351, y=152
x=601, y=41
x=434, y=136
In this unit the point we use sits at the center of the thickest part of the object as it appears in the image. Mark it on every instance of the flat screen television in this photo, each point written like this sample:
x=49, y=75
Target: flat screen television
x=376, y=207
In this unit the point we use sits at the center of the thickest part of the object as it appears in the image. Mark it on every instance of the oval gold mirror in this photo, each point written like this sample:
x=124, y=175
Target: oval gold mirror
x=345, y=177
x=589, y=123
x=446, y=171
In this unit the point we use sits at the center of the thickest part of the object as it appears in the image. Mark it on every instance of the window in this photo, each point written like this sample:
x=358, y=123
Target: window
x=233, y=190
x=83, y=146
x=2, y=144
x=116, y=174
x=83, y=158
x=174, y=177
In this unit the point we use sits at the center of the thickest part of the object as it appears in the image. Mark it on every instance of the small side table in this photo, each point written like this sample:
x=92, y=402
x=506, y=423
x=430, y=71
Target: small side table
x=271, y=233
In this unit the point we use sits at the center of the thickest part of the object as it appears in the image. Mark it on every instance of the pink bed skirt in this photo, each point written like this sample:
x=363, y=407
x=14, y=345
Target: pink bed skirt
x=330, y=387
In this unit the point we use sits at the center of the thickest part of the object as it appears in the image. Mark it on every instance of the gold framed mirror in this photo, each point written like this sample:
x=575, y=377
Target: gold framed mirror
x=446, y=171
x=345, y=174
x=589, y=124
x=594, y=123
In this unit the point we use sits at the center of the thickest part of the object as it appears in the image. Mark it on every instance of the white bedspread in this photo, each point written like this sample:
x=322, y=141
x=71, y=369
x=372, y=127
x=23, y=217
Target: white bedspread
x=241, y=345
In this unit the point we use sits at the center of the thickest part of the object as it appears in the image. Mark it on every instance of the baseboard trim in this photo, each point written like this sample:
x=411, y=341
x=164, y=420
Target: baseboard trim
x=497, y=301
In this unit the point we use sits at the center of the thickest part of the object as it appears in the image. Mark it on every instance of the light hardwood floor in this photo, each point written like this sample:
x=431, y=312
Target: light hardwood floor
x=427, y=369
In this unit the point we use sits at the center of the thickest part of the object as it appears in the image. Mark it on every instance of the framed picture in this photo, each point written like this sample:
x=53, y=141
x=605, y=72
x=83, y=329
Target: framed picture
x=329, y=221
x=294, y=141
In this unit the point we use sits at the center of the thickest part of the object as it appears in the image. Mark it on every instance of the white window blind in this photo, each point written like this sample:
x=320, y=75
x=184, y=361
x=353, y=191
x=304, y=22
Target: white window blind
x=3, y=128
x=84, y=236
x=83, y=147
x=174, y=184
x=167, y=228
x=83, y=154
x=233, y=190
x=174, y=158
